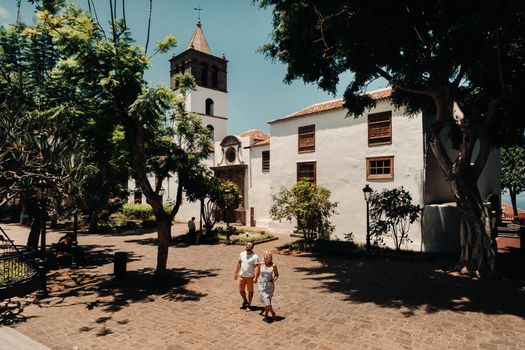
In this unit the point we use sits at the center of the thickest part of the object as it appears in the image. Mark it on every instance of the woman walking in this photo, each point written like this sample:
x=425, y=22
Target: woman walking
x=266, y=276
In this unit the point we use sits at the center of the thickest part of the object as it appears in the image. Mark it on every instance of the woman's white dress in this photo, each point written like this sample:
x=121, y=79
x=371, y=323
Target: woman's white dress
x=265, y=285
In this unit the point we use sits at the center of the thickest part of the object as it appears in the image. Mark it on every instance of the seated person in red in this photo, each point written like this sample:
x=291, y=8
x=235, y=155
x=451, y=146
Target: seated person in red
x=65, y=242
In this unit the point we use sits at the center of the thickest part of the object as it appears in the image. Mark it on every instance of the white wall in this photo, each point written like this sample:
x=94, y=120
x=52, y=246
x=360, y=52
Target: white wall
x=341, y=151
x=259, y=187
x=197, y=101
x=220, y=126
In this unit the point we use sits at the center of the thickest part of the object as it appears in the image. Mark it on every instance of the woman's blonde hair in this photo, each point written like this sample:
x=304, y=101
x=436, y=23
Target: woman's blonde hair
x=268, y=254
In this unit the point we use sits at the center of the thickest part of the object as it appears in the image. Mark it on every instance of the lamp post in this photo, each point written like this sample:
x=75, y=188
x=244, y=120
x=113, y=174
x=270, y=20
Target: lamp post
x=74, y=243
x=367, y=192
x=227, y=202
x=42, y=192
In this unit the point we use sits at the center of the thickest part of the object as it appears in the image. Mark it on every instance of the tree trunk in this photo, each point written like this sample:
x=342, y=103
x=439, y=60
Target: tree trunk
x=477, y=252
x=514, y=204
x=462, y=174
x=34, y=233
x=164, y=236
x=93, y=222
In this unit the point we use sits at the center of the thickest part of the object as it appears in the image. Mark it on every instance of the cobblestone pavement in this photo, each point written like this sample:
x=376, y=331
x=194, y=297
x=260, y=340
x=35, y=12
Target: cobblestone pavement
x=331, y=303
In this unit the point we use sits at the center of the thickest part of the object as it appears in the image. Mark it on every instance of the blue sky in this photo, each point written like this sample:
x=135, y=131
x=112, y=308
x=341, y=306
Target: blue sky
x=233, y=27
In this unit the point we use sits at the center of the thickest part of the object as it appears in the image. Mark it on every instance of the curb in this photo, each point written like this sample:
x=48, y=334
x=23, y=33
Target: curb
x=254, y=243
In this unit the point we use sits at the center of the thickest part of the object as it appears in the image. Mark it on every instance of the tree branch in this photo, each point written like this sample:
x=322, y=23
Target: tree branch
x=384, y=74
x=149, y=27
x=178, y=200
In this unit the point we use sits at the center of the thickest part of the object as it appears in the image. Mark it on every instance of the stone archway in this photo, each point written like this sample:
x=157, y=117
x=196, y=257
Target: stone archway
x=236, y=174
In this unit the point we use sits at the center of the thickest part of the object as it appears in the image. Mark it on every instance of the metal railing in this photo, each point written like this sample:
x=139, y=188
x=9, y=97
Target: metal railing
x=16, y=264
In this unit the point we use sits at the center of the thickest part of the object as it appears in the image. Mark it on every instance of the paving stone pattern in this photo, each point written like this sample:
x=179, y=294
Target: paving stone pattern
x=322, y=303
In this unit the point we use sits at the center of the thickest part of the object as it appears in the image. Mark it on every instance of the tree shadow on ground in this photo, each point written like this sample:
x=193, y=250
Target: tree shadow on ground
x=111, y=295
x=413, y=286
x=122, y=233
x=179, y=241
x=137, y=286
x=12, y=311
x=89, y=256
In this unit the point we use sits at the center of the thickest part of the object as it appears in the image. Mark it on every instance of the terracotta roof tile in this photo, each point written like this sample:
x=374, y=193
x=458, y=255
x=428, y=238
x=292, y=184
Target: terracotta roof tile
x=261, y=143
x=256, y=135
x=331, y=105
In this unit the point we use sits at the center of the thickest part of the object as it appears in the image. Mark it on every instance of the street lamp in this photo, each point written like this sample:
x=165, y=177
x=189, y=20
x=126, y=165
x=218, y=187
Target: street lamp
x=74, y=243
x=227, y=202
x=367, y=192
x=42, y=193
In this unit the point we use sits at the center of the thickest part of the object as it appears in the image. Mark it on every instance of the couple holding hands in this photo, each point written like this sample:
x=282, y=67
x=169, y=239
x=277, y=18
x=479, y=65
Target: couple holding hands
x=250, y=271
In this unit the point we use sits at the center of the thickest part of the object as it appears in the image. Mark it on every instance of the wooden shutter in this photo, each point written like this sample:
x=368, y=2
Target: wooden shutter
x=306, y=139
x=265, y=161
x=380, y=128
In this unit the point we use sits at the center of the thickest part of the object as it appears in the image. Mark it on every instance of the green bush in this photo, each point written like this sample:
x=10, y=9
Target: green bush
x=244, y=236
x=137, y=211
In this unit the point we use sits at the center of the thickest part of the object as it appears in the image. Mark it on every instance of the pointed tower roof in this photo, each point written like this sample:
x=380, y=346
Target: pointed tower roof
x=198, y=40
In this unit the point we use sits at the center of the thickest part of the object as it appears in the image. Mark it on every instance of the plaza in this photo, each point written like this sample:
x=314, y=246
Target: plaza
x=321, y=303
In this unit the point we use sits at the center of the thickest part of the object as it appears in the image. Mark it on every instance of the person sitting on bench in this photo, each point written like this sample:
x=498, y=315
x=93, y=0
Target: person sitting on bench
x=65, y=242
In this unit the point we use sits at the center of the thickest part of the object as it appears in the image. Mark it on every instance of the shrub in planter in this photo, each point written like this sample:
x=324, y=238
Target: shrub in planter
x=137, y=211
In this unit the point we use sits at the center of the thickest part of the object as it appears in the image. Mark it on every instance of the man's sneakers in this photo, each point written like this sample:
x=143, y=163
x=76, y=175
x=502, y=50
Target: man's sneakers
x=246, y=306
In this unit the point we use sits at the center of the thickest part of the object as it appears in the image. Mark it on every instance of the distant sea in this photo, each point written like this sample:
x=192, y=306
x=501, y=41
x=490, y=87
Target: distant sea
x=520, y=199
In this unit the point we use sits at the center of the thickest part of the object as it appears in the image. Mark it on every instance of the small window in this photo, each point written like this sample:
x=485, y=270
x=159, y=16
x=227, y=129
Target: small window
x=204, y=75
x=306, y=171
x=306, y=139
x=212, y=131
x=209, y=106
x=214, y=77
x=380, y=128
x=265, y=161
x=137, y=197
x=380, y=168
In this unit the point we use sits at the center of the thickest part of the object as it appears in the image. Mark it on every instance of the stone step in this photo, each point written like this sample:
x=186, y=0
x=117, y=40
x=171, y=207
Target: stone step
x=11, y=339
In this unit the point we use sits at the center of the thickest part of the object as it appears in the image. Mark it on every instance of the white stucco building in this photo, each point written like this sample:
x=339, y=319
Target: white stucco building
x=384, y=148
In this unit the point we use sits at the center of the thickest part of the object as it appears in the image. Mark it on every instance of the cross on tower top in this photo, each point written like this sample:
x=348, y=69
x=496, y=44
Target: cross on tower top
x=198, y=8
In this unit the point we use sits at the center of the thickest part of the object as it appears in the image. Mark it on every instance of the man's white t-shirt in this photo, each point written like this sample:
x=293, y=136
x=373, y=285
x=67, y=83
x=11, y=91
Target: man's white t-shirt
x=248, y=262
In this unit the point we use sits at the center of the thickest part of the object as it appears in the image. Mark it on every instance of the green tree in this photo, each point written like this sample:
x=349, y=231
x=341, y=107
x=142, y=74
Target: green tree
x=33, y=69
x=392, y=213
x=226, y=196
x=214, y=196
x=36, y=147
x=460, y=62
x=309, y=205
x=513, y=172
x=160, y=135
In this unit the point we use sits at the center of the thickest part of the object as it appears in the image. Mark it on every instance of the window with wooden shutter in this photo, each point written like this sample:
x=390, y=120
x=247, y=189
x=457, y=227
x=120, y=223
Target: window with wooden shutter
x=380, y=168
x=265, y=161
x=307, y=171
x=306, y=138
x=380, y=128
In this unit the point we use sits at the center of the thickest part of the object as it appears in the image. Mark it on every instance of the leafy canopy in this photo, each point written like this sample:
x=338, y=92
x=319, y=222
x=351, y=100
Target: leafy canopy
x=420, y=47
x=309, y=205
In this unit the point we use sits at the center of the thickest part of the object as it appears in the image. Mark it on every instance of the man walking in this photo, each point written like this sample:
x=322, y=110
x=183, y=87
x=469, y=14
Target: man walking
x=245, y=270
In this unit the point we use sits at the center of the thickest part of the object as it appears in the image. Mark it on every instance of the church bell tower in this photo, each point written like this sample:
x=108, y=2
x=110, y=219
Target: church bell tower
x=210, y=73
